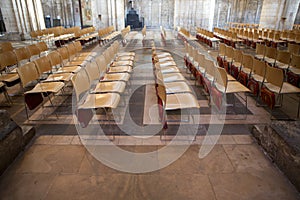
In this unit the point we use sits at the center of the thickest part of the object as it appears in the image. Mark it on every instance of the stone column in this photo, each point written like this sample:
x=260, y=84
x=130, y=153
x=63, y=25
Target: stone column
x=120, y=14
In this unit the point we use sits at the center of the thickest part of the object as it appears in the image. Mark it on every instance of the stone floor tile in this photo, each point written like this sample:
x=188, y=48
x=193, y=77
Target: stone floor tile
x=243, y=139
x=108, y=187
x=246, y=158
x=25, y=186
x=246, y=186
x=174, y=186
x=51, y=159
x=43, y=139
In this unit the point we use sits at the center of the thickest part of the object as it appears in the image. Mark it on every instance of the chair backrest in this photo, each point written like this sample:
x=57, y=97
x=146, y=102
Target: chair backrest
x=283, y=57
x=102, y=64
x=222, y=49
x=293, y=48
x=63, y=51
x=77, y=46
x=221, y=79
x=274, y=76
x=6, y=46
x=71, y=50
x=7, y=59
x=295, y=61
x=42, y=46
x=259, y=67
x=22, y=54
x=247, y=61
x=43, y=65
x=229, y=52
x=161, y=92
x=92, y=71
x=27, y=73
x=55, y=58
x=238, y=55
x=81, y=84
x=271, y=52
x=33, y=50
x=260, y=49
x=209, y=67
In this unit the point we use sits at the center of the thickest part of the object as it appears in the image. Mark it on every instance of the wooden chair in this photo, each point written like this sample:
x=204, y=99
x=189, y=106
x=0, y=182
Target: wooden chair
x=67, y=67
x=23, y=55
x=257, y=77
x=222, y=86
x=246, y=69
x=228, y=58
x=34, y=97
x=87, y=102
x=171, y=102
x=237, y=62
x=260, y=51
x=221, y=54
x=8, y=62
x=274, y=88
x=270, y=55
x=34, y=51
x=283, y=60
x=293, y=74
x=6, y=46
x=97, y=86
x=293, y=48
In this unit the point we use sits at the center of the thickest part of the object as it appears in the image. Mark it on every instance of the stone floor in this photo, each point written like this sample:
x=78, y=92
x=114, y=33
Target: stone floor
x=56, y=165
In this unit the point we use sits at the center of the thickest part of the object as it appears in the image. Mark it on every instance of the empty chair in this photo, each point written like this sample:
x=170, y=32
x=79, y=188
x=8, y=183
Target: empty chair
x=246, y=69
x=34, y=51
x=43, y=48
x=257, y=76
x=293, y=48
x=260, y=51
x=237, y=62
x=283, y=60
x=293, y=74
x=87, y=102
x=67, y=67
x=8, y=61
x=169, y=102
x=274, y=88
x=270, y=55
x=23, y=55
x=93, y=73
x=6, y=46
x=228, y=58
x=34, y=97
x=221, y=54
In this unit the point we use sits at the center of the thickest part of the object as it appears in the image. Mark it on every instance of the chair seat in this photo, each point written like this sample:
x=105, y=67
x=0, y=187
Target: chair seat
x=288, y=88
x=9, y=77
x=75, y=63
x=282, y=65
x=237, y=64
x=295, y=70
x=167, y=64
x=165, y=59
x=258, y=78
x=52, y=87
x=125, y=58
x=120, y=69
x=86, y=54
x=106, y=100
x=71, y=69
x=79, y=59
x=259, y=57
x=229, y=60
x=163, y=54
x=181, y=101
x=171, y=77
x=269, y=60
x=177, y=87
x=122, y=63
x=230, y=78
x=116, y=77
x=116, y=86
x=169, y=69
x=246, y=70
x=235, y=86
x=126, y=54
x=65, y=77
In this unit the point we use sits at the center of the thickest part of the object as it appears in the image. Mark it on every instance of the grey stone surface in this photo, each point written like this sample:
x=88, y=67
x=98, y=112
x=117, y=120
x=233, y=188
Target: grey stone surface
x=281, y=141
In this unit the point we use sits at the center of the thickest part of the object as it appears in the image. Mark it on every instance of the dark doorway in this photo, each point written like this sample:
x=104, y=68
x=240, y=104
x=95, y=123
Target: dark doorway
x=2, y=24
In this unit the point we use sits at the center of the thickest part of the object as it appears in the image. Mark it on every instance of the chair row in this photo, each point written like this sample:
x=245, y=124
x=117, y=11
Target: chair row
x=172, y=90
x=184, y=34
x=107, y=34
x=6, y=46
x=100, y=84
x=214, y=80
x=206, y=36
x=265, y=81
x=227, y=37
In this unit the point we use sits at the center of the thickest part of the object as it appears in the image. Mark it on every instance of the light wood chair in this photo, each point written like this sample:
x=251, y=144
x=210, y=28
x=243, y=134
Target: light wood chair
x=67, y=67
x=6, y=46
x=8, y=62
x=257, y=77
x=260, y=51
x=283, y=60
x=23, y=55
x=270, y=55
x=34, y=97
x=293, y=48
x=34, y=51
